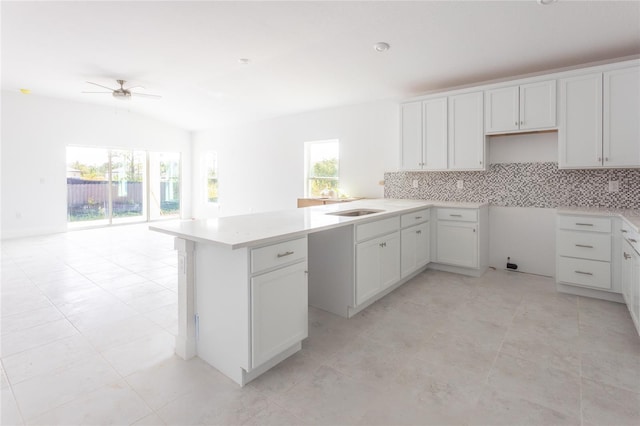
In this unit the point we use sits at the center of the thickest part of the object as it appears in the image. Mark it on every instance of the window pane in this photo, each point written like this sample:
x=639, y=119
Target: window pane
x=164, y=184
x=211, y=166
x=87, y=184
x=127, y=183
x=322, y=168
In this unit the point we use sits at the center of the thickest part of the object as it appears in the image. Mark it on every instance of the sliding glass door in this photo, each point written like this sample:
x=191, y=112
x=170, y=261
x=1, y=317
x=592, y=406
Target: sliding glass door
x=128, y=186
x=88, y=186
x=119, y=186
x=164, y=185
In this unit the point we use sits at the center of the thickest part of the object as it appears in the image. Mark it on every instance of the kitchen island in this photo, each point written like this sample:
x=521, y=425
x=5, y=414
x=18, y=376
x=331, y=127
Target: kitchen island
x=245, y=282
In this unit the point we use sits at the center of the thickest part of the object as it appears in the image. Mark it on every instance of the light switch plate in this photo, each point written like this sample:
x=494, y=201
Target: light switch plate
x=614, y=186
x=460, y=184
x=415, y=183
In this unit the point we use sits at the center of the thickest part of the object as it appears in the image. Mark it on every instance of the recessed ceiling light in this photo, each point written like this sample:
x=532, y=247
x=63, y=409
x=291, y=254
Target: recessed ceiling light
x=25, y=91
x=546, y=2
x=244, y=61
x=381, y=46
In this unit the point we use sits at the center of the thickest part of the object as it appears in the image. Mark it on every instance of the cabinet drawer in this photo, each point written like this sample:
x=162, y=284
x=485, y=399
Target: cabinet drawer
x=590, y=273
x=465, y=215
x=268, y=257
x=414, y=218
x=586, y=245
x=379, y=227
x=585, y=223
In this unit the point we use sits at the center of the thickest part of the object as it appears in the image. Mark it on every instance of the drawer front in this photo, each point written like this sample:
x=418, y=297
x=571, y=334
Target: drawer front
x=584, y=223
x=379, y=227
x=268, y=257
x=589, y=273
x=465, y=215
x=586, y=245
x=414, y=218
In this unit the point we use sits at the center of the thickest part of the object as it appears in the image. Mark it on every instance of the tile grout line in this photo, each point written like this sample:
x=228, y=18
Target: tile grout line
x=578, y=298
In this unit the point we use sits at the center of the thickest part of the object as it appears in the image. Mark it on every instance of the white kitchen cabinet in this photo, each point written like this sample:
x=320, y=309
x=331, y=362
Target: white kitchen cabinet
x=583, y=252
x=599, y=124
x=630, y=276
x=424, y=135
x=621, y=123
x=580, y=127
x=411, y=136
x=525, y=107
x=377, y=265
x=466, y=143
x=434, y=125
x=457, y=244
x=415, y=249
x=278, y=311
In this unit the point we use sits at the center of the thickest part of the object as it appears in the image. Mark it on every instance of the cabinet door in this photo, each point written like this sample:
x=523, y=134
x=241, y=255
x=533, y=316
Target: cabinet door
x=627, y=273
x=435, y=134
x=580, y=129
x=501, y=110
x=389, y=268
x=414, y=250
x=457, y=244
x=635, y=289
x=466, y=135
x=279, y=311
x=538, y=105
x=621, y=112
x=367, y=269
x=411, y=136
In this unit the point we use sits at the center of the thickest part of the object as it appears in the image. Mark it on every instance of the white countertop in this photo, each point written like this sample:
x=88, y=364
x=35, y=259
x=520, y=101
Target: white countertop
x=261, y=228
x=631, y=216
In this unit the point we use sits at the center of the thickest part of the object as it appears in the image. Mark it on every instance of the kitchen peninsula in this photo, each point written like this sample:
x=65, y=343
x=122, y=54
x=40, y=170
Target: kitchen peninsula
x=245, y=282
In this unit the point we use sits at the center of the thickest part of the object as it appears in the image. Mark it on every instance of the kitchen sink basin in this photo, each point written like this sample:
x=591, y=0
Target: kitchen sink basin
x=353, y=213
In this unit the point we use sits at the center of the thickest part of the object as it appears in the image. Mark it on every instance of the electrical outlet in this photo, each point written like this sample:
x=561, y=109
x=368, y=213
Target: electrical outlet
x=415, y=183
x=460, y=184
x=614, y=186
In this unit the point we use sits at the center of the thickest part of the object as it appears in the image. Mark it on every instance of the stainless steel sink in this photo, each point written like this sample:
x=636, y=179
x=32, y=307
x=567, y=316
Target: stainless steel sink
x=353, y=213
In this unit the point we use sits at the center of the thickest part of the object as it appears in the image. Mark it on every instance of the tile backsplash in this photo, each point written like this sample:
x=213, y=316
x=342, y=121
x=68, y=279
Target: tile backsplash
x=522, y=185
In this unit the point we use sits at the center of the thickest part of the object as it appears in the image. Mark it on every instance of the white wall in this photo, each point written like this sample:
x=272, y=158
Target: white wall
x=527, y=235
x=35, y=133
x=261, y=166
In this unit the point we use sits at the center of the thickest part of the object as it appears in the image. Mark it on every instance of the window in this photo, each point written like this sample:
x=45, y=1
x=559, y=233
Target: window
x=322, y=168
x=106, y=186
x=211, y=169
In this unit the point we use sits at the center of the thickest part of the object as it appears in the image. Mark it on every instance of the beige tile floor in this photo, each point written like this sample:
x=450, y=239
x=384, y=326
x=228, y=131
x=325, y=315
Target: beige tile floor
x=88, y=320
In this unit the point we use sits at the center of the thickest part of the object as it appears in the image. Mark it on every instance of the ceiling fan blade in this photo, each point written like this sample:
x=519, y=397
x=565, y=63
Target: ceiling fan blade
x=100, y=85
x=145, y=95
x=134, y=87
x=96, y=92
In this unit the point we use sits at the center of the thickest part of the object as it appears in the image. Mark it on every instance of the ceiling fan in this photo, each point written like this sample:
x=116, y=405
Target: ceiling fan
x=122, y=92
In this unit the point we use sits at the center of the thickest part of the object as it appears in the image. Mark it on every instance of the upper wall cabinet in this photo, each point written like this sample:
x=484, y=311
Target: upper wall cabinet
x=599, y=124
x=621, y=118
x=443, y=133
x=521, y=108
x=424, y=135
x=411, y=136
x=466, y=135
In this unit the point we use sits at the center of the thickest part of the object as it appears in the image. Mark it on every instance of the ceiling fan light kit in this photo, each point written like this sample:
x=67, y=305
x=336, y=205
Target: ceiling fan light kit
x=123, y=93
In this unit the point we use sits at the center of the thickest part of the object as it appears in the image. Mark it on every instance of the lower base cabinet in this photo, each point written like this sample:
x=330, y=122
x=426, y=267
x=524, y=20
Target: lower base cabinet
x=415, y=248
x=457, y=244
x=377, y=265
x=631, y=281
x=279, y=316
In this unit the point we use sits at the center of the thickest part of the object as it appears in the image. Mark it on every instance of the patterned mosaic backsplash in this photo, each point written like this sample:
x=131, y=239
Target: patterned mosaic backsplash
x=522, y=185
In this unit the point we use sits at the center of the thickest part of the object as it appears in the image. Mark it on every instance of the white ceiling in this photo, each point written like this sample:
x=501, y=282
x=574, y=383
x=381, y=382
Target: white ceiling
x=304, y=55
